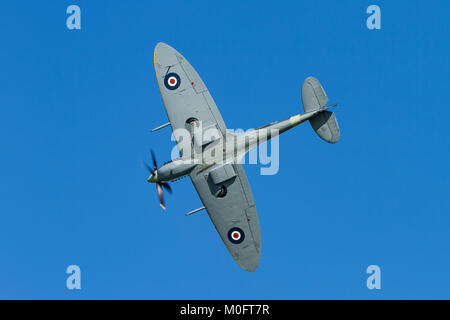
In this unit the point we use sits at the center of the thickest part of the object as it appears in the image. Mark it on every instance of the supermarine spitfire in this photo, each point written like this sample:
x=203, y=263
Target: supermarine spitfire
x=218, y=177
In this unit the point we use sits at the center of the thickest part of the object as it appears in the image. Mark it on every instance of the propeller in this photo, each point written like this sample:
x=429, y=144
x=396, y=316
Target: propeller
x=159, y=185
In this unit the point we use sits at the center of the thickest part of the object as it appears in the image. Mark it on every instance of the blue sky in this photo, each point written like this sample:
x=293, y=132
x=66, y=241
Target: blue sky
x=76, y=108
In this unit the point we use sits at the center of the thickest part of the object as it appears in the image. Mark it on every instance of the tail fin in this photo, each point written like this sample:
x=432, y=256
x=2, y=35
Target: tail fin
x=324, y=123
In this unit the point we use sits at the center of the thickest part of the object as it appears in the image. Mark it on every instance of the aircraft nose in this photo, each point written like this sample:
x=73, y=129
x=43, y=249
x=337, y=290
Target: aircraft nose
x=153, y=177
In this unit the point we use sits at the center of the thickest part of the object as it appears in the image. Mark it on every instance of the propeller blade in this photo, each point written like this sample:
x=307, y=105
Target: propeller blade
x=160, y=195
x=166, y=186
x=159, y=185
x=148, y=167
x=155, y=166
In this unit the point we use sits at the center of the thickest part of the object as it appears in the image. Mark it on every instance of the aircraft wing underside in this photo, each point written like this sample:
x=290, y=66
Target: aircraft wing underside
x=234, y=215
x=223, y=189
x=183, y=92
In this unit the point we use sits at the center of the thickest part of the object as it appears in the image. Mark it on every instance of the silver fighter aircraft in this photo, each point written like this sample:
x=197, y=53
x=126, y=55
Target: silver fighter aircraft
x=219, y=179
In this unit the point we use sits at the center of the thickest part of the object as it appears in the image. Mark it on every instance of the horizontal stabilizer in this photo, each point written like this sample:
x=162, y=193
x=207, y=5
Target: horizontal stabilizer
x=324, y=123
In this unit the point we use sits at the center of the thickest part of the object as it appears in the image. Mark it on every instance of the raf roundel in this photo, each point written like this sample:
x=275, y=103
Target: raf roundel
x=236, y=235
x=172, y=81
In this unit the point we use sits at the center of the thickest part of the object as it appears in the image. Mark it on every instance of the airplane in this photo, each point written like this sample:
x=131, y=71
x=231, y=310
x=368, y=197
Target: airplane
x=218, y=178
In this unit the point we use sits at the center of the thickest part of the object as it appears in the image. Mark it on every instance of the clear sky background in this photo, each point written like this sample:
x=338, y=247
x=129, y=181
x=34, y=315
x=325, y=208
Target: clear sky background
x=76, y=108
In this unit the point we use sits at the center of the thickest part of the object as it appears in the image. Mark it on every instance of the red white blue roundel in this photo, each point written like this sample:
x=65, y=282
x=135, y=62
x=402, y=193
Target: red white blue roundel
x=172, y=81
x=236, y=235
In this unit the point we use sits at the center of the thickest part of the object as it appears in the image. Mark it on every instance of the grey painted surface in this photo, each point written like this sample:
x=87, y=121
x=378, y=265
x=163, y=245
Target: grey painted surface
x=191, y=98
x=325, y=123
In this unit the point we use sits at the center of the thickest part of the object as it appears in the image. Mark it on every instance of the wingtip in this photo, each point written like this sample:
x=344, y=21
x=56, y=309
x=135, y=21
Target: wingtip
x=249, y=265
x=164, y=55
x=252, y=269
x=159, y=44
x=162, y=45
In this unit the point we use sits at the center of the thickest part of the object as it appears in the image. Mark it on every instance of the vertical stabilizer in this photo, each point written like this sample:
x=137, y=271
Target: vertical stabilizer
x=324, y=123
